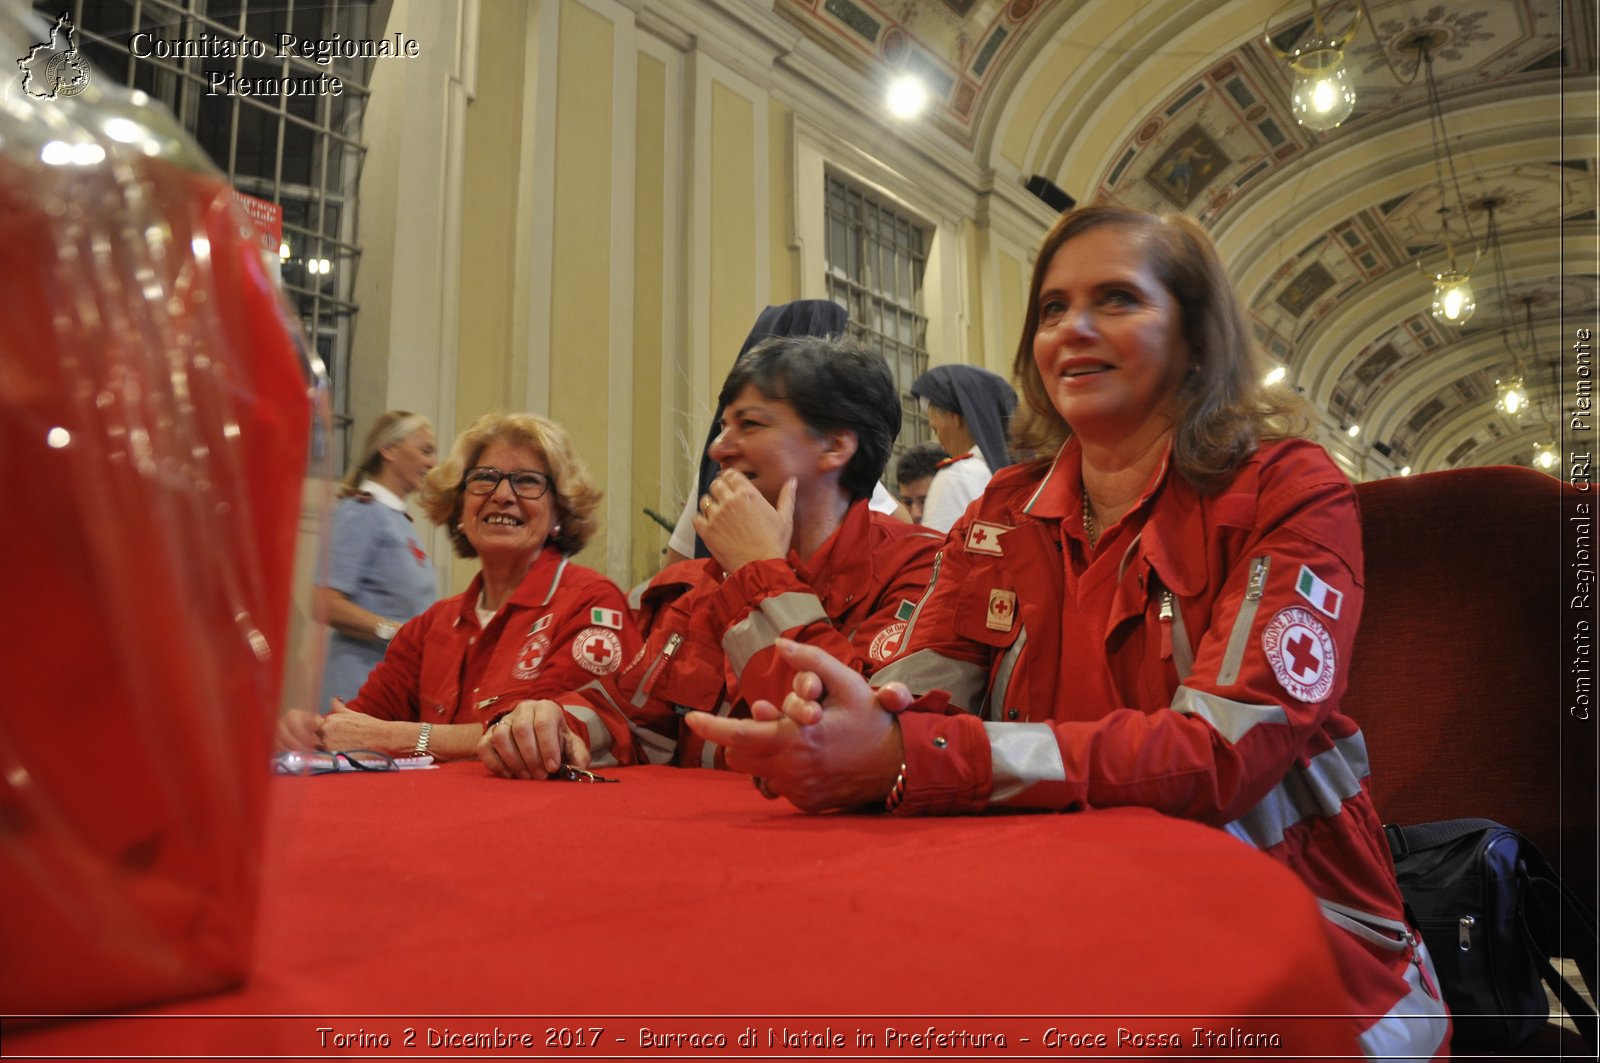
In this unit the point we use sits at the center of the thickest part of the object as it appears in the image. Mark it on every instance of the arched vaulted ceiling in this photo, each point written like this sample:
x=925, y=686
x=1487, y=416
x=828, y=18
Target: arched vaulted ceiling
x=1182, y=105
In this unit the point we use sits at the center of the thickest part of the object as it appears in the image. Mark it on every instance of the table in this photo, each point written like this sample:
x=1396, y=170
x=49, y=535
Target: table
x=680, y=902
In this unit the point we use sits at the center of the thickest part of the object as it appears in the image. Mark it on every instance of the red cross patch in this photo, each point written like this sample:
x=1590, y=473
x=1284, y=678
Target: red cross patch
x=984, y=538
x=1301, y=653
x=886, y=643
x=417, y=551
x=531, y=657
x=597, y=650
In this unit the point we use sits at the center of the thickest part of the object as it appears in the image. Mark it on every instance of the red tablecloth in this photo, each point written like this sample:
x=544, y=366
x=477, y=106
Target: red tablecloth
x=681, y=902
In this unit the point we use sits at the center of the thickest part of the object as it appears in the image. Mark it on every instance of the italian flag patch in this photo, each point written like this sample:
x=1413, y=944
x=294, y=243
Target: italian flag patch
x=1322, y=596
x=606, y=618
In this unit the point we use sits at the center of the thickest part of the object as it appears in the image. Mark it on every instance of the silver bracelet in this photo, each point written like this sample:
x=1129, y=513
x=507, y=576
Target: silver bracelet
x=421, y=749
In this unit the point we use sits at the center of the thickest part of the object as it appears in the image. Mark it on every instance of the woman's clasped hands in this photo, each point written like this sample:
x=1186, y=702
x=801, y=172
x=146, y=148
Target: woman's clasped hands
x=834, y=743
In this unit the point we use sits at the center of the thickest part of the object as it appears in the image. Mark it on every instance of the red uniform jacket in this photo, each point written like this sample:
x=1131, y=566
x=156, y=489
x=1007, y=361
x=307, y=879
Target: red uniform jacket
x=711, y=640
x=1192, y=664
x=564, y=625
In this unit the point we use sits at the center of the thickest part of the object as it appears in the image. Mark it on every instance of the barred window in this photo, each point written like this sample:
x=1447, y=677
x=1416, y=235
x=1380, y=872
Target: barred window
x=875, y=261
x=302, y=152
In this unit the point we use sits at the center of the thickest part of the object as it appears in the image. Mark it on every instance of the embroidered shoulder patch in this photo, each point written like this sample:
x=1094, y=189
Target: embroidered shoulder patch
x=610, y=618
x=1321, y=594
x=597, y=650
x=531, y=657
x=984, y=538
x=886, y=643
x=1301, y=653
x=907, y=607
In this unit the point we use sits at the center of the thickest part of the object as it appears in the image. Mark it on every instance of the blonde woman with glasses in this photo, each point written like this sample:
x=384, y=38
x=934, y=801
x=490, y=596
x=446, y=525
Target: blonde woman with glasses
x=515, y=495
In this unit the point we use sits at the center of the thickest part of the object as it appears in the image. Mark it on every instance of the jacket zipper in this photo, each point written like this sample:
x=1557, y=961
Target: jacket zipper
x=643, y=693
x=1240, y=634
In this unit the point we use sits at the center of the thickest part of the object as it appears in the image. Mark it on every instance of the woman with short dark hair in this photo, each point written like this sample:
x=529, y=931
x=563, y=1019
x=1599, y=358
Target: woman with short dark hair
x=796, y=551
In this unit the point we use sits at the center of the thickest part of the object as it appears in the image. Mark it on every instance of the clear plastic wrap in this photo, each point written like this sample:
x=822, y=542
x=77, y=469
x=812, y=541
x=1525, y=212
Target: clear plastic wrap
x=157, y=411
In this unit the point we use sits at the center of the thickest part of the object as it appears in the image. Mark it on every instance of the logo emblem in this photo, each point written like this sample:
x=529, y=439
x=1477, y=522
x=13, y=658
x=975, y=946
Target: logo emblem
x=56, y=67
x=1002, y=610
x=1301, y=653
x=985, y=538
x=597, y=650
x=531, y=657
x=886, y=643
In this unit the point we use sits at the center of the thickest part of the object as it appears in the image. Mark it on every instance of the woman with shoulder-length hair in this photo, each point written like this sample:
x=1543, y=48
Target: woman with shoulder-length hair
x=515, y=495
x=378, y=576
x=1158, y=614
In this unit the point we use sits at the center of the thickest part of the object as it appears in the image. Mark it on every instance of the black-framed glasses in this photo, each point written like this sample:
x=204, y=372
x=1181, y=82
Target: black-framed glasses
x=525, y=483
x=326, y=762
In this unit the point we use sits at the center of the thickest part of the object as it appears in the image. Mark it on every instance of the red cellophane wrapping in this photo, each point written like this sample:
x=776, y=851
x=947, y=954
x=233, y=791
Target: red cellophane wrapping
x=156, y=409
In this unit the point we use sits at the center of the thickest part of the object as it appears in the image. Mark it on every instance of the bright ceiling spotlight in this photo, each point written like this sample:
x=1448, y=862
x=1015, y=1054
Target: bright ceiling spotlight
x=907, y=97
x=1275, y=376
x=1544, y=456
x=1406, y=471
x=1353, y=431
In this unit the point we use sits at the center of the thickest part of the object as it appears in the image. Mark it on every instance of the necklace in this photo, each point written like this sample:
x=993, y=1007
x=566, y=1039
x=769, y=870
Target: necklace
x=1090, y=527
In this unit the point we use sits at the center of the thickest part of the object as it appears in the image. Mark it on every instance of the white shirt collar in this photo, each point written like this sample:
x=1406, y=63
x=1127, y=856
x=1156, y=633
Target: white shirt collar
x=382, y=494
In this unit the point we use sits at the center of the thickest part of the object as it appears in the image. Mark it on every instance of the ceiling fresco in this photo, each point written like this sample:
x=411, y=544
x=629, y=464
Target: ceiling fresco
x=1324, y=231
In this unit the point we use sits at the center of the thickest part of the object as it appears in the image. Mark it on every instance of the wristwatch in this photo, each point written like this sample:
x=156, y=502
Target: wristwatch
x=384, y=630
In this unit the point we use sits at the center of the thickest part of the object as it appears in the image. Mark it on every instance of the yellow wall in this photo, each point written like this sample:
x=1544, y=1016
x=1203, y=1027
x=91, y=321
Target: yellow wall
x=786, y=281
x=488, y=246
x=580, y=296
x=1014, y=276
x=649, y=304
x=733, y=295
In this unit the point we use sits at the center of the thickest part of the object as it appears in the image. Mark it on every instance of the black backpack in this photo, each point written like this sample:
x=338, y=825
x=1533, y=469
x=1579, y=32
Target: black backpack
x=1492, y=912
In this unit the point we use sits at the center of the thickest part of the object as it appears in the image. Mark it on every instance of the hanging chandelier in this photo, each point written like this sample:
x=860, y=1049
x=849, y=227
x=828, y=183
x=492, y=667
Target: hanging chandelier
x=1453, y=299
x=1322, y=96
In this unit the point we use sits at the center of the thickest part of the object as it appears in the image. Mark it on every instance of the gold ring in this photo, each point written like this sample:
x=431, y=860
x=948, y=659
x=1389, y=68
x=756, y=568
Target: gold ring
x=705, y=504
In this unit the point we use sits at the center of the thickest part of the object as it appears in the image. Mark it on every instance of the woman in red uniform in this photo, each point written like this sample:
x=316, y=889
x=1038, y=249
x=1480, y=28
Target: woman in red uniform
x=1158, y=614
x=515, y=495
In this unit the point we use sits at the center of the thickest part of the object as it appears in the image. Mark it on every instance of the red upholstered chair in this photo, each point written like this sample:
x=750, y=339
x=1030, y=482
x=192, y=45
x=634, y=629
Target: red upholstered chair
x=1457, y=675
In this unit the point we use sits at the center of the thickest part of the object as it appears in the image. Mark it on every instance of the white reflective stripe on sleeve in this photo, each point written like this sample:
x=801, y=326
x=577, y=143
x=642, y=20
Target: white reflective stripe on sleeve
x=927, y=670
x=766, y=622
x=599, y=739
x=653, y=748
x=1022, y=754
x=1002, y=676
x=1415, y=1027
x=1232, y=719
x=1318, y=789
x=1376, y=929
x=1233, y=657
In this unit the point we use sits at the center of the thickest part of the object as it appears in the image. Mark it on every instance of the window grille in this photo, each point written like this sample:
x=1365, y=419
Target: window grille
x=302, y=152
x=875, y=262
